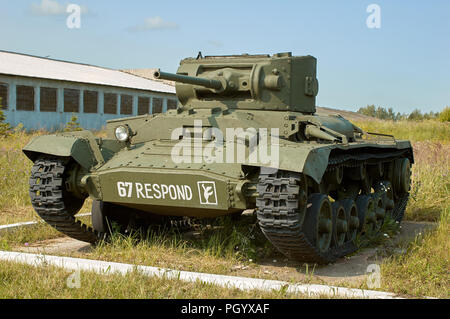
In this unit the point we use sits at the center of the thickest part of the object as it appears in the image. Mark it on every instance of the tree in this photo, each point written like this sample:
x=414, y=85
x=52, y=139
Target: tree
x=444, y=116
x=369, y=110
x=379, y=112
x=391, y=114
x=415, y=115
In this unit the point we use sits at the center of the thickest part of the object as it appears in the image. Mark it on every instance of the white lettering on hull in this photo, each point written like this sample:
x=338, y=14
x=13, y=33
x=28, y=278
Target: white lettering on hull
x=154, y=191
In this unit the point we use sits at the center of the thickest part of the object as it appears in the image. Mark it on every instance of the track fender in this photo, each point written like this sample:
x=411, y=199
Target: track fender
x=310, y=161
x=81, y=146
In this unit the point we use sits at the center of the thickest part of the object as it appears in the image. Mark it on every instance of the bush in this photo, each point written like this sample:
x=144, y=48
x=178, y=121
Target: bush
x=73, y=125
x=444, y=116
x=5, y=128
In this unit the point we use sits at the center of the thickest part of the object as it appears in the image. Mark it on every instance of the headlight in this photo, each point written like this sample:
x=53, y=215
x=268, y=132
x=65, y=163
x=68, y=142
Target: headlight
x=122, y=133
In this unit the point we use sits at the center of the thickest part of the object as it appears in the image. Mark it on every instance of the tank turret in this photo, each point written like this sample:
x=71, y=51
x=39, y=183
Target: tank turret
x=254, y=82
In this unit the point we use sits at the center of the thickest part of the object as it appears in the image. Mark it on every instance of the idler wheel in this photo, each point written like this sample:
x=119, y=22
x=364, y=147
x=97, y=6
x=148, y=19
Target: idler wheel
x=318, y=226
x=401, y=175
x=366, y=213
x=351, y=214
x=340, y=224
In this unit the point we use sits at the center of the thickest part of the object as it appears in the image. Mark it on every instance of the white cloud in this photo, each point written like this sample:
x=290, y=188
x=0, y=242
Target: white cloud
x=154, y=23
x=52, y=8
x=215, y=43
x=48, y=7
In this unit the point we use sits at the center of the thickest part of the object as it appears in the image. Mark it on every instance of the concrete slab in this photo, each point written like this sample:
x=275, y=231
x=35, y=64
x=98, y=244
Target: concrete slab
x=63, y=245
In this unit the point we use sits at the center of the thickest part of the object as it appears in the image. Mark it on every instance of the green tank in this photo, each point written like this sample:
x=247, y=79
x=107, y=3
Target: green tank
x=245, y=136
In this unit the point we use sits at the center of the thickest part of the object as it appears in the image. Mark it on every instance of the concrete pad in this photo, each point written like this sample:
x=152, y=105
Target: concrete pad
x=63, y=245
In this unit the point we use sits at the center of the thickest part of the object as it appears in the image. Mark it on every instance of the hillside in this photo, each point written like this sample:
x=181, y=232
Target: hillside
x=349, y=115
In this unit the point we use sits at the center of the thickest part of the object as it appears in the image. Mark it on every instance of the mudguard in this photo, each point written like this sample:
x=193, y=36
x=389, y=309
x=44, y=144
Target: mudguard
x=312, y=160
x=81, y=146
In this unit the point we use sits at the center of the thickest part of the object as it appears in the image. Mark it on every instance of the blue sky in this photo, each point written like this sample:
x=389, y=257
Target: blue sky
x=405, y=64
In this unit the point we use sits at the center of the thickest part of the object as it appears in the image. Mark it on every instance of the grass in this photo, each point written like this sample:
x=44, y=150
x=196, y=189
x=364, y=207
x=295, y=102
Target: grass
x=26, y=235
x=14, y=174
x=424, y=270
x=415, y=131
x=50, y=282
x=212, y=249
x=430, y=181
x=228, y=247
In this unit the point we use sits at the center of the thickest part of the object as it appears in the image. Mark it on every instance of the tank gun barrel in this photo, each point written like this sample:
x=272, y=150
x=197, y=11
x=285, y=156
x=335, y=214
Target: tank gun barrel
x=208, y=83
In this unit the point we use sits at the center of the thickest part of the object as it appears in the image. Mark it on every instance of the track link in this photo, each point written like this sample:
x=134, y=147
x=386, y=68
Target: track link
x=53, y=204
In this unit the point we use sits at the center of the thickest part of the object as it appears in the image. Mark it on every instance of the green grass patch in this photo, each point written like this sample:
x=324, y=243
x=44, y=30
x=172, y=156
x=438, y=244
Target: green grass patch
x=424, y=270
x=23, y=236
x=430, y=182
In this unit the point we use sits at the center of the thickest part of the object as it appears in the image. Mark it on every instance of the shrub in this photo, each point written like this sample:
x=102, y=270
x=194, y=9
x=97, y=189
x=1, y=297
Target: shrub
x=444, y=116
x=73, y=125
x=5, y=128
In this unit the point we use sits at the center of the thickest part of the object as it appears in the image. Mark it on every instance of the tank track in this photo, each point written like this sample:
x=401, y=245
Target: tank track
x=279, y=212
x=51, y=202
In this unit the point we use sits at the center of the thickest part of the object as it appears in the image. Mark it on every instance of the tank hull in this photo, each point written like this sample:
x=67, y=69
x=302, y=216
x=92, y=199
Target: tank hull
x=148, y=176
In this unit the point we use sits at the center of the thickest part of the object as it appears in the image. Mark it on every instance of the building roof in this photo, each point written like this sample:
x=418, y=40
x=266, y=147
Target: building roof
x=12, y=63
x=148, y=74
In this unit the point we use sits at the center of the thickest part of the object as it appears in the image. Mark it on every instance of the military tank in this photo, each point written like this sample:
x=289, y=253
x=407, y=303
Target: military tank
x=245, y=136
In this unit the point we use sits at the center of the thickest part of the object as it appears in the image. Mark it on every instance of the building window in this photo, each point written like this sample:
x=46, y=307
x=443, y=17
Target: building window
x=48, y=98
x=4, y=96
x=24, y=98
x=143, y=105
x=71, y=100
x=110, y=103
x=171, y=104
x=157, y=105
x=90, y=101
x=126, y=104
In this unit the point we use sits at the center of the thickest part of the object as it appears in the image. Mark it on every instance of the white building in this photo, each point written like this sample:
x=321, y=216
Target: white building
x=45, y=93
